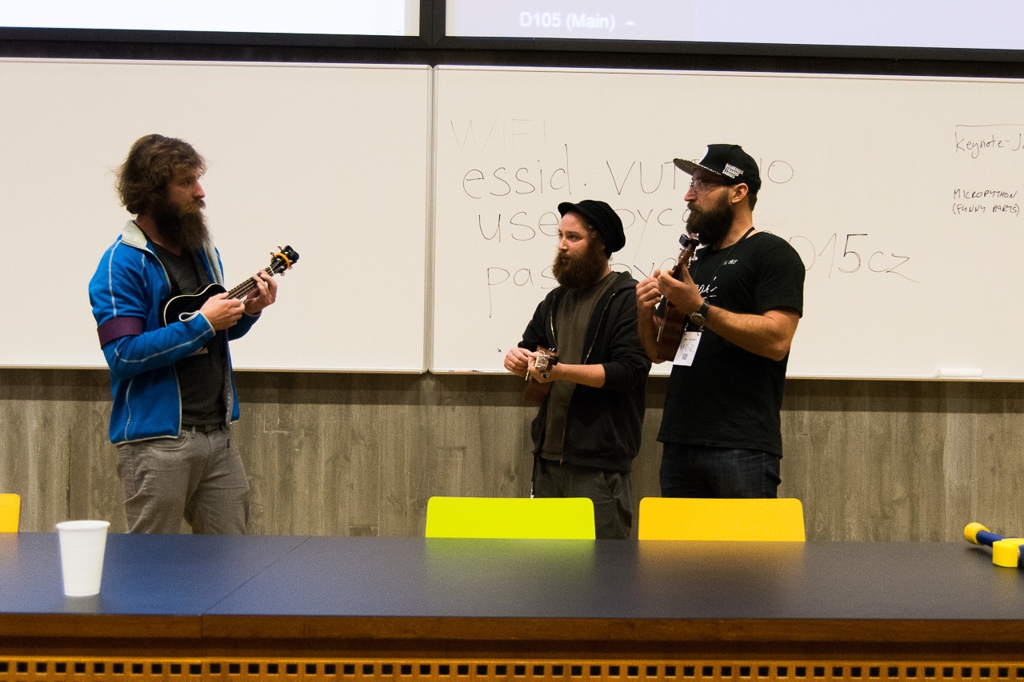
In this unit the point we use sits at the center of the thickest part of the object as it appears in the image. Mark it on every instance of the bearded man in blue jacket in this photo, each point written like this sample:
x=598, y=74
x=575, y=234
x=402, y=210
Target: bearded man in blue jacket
x=172, y=385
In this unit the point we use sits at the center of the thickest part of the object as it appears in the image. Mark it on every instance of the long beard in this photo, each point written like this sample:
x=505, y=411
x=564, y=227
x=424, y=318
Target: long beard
x=581, y=271
x=710, y=225
x=182, y=226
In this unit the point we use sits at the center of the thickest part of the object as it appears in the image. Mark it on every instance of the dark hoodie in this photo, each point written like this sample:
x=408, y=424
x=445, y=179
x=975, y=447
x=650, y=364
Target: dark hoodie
x=602, y=425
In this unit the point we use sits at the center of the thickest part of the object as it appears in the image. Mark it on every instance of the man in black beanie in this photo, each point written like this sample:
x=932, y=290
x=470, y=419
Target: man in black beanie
x=587, y=431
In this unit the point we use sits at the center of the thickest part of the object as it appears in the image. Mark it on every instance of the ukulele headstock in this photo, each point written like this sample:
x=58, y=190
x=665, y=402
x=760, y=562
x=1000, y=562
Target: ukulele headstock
x=283, y=259
x=545, y=360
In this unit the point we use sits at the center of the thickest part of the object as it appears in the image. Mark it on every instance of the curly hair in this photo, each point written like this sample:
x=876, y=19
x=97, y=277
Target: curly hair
x=152, y=162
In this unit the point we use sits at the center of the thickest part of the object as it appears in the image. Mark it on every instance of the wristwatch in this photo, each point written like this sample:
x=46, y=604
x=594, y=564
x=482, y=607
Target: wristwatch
x=700, y=316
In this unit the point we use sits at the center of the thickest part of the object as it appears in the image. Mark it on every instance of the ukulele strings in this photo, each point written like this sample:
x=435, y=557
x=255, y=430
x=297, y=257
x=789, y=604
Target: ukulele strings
x=246, y=287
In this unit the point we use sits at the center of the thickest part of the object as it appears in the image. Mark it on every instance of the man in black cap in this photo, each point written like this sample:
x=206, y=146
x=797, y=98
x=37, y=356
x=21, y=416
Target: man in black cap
x=588, y=429
x=743, y=293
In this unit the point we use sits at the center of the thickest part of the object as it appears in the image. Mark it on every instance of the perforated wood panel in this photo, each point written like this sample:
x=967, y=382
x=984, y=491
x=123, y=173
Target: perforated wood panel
x=122, y=669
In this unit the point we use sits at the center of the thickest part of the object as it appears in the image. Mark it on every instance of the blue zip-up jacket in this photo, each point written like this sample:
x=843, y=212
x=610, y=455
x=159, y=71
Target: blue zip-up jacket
x=127, y=292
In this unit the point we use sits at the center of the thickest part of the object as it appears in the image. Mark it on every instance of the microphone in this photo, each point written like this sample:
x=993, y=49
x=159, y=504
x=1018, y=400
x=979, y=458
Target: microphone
x=687, y=242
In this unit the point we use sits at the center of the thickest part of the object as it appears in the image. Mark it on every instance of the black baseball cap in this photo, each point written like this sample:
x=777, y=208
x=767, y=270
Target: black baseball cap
x=602, y=218
x=729, y=161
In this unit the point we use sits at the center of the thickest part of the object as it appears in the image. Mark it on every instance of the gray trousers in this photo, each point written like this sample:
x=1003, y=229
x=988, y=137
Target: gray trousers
x=608, y=490
x=196, y=476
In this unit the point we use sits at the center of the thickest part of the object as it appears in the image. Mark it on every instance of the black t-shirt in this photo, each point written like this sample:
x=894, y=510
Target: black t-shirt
x=731, y=398
x=200, y=375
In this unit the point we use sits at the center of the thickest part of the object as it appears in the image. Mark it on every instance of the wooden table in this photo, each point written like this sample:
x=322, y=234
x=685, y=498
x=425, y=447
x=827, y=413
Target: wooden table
x=276, y=609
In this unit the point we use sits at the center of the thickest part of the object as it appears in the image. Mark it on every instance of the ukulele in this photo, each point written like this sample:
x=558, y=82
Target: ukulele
x=673, y=320
x=184, y=305
x=536, y=391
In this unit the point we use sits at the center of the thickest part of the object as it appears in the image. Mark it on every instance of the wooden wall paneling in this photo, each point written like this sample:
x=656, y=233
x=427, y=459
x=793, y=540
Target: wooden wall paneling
x=900, y=481
x=867, y=469
x=927, y=446
x=94, y=490
x=483, y=437
x=405, y=440
x=359, y=454
x=644, y=477
x=504, y=441
x=20, y=429
x=959, y=459
x=796, y=446
x=48, y=443
x=988, y=462
x=322, y=474
x=479, y=440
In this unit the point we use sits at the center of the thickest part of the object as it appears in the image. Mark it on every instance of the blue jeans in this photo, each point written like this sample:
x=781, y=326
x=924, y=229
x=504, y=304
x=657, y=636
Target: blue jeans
x=701, y=471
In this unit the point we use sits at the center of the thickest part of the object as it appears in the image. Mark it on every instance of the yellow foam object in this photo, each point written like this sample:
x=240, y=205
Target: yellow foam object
x=1006, y=552
x=568, y=518
x=666, y=518
x=971, y=532
x=10, y=510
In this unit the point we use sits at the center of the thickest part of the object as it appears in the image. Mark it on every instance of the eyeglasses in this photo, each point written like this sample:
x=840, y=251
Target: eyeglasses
x=699, y=185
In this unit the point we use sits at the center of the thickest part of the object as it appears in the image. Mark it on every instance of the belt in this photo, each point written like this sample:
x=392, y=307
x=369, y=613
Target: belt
x=202, y=428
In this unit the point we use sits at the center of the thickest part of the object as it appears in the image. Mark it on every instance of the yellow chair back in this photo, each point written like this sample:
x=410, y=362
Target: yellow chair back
x=10, y=511
x=570, y=518
x=665, y=518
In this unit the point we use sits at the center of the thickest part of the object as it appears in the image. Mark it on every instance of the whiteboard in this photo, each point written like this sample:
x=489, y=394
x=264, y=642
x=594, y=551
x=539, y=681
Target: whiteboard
x=332, y=160
x=902, y=196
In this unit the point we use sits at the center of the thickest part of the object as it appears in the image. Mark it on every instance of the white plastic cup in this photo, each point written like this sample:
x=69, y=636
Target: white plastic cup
x=82, y=545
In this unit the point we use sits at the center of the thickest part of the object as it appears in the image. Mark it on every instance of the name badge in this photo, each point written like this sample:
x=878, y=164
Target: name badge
x=687, y=349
